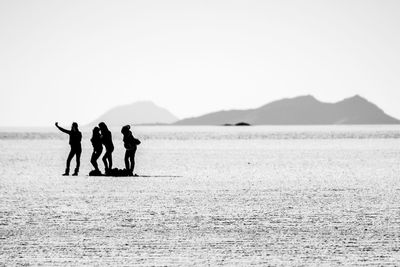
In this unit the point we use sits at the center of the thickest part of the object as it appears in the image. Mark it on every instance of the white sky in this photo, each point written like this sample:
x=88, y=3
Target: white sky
x=73, y=60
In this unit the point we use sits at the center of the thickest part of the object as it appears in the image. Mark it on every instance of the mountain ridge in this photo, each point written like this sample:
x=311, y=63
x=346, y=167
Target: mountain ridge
x=140, y=112
x=300, y=110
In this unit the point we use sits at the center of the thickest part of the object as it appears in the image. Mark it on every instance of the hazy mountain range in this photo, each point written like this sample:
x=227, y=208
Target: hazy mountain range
x=144, y=112
x=302, y=110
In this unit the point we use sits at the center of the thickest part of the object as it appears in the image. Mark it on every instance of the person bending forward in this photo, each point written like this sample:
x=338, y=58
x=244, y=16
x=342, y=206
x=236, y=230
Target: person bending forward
x=130, y=144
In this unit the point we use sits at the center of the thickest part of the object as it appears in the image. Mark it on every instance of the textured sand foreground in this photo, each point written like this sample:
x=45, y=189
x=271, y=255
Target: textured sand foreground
x=287, y=202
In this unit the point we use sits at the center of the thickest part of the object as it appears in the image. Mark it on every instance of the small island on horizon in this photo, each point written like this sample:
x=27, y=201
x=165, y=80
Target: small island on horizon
x=237, y=124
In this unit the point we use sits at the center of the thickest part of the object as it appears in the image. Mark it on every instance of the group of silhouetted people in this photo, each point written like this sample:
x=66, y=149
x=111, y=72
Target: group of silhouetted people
x=101, y=137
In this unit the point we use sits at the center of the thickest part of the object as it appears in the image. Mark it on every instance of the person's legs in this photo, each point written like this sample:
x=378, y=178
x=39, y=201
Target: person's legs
x=78, y=161
x=70, y=156
x=126, y=159
x=132, y=159
x=93, y=160
x=105, y=161
x=110, y=162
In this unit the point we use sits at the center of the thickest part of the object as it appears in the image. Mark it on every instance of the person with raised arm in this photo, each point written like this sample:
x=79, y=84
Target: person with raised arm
x=75, y=138
x=106, y=140
x=130, y=144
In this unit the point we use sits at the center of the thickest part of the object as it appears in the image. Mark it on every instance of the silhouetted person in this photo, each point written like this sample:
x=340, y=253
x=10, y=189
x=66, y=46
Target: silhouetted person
x=130, y=144
x=75, y=138
x=97, y=147
x=106, y=140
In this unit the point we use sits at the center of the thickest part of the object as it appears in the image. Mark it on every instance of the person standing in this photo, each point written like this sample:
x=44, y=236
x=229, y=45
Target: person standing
x=97, y=148
x=106, y=140
x=130, y=144
x=75, y=138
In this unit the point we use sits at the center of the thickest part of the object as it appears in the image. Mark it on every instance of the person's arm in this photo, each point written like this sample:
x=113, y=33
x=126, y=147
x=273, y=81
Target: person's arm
x=136, y=141
x=62, y=129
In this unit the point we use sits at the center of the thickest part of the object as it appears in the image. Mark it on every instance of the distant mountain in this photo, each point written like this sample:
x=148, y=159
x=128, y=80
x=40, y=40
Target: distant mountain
x=303, y=110
x=144, y=112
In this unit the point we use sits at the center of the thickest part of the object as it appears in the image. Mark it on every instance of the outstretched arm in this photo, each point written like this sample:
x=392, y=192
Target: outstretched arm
x=62, y=129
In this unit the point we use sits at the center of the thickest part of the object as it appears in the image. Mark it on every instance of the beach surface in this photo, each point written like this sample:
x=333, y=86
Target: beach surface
x=279, y=196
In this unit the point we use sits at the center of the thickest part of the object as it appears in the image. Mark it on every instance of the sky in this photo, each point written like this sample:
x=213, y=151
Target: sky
x=74, y=60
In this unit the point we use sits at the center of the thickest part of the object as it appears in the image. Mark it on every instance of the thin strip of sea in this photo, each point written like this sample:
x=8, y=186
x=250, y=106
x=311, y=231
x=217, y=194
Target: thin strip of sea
x=262, y=195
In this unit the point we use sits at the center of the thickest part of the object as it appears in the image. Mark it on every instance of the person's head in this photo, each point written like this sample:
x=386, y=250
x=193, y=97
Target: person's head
x=96, y=131
x=103, y=126
x=125, y=129
x=74, y=126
